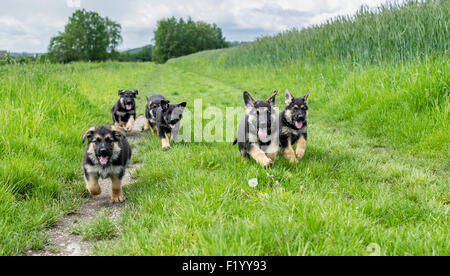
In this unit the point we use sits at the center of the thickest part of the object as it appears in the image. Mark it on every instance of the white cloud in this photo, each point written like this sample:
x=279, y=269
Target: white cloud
x=73, y=3
x=30, y=27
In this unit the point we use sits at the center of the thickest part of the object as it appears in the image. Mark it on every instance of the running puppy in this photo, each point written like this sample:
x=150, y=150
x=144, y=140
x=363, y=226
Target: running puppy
x=153, y=104
x=107, y=155
x=258, y=130
x=124, y=111
x=168, y=118
x=294, y=127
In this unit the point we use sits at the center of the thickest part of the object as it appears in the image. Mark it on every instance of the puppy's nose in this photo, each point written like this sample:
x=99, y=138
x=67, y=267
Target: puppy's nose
x=103, y=151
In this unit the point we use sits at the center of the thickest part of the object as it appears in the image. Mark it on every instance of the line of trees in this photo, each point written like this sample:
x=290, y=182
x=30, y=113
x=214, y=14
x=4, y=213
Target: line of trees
x=175, y=38
x=90, y=37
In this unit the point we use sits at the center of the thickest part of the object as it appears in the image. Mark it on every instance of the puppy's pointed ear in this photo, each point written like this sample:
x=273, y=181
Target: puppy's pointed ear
x=249, y=101
x=182, y=105
x=121, y=92
x=271, y=99
x=289, y=97
x=164, y=104
x=118, y=132
x=306, y=96
x=136, y=92
x=88, y=134
x=148, y=99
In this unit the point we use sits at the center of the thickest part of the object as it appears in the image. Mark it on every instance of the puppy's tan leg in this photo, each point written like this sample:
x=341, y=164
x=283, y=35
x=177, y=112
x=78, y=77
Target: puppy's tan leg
x=259, y=156
x=155, y=130
x=272, y=156
x=301, y=148
x=116, y=189
x=92, y=185
x=130, y=124
x=165, y=143
x=289, y=153
x=146, y=125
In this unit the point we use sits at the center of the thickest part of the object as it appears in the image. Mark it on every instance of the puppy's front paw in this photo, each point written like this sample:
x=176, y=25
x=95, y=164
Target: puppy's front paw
x=94, y=189
x=290, y=156
x=266, y=162
x=117, y=199
x=300, y=155
x=165, y=147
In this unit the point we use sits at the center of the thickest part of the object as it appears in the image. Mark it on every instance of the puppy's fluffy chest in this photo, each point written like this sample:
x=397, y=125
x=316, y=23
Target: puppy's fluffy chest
x=103, y=171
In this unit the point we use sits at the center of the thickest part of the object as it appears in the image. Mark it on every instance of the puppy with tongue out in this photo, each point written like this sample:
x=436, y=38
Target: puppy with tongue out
x=258, y=130
x=294, y=120
x=124, y=111
x=107, y=155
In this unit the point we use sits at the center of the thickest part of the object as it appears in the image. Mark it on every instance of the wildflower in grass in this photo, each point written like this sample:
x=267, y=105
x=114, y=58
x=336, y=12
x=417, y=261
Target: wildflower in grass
x=253, y=182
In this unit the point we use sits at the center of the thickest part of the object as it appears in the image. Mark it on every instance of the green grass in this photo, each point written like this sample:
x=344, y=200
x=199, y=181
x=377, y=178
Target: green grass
x=101, y=228
x=375, y=170
x=44, y=110
x=353, y=188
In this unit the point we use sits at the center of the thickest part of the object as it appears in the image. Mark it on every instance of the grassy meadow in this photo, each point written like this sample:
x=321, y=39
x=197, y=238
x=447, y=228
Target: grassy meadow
x=375, y=173
x=44, y=109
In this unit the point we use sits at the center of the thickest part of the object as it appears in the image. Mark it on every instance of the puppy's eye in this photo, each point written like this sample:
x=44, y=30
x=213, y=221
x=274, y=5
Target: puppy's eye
x=108, y=140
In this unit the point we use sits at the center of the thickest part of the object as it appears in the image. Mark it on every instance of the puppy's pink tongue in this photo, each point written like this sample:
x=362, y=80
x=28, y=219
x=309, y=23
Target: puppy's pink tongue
x=103, y=160
x=298, y=125
x=262, y=133
x=172, y=126
x=129, y=106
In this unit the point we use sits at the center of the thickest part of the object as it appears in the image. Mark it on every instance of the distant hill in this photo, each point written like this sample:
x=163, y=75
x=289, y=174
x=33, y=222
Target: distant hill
x=24, y=54
x=135, y=50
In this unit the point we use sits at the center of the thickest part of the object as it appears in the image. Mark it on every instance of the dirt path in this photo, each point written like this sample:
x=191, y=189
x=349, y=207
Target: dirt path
x=61, y=242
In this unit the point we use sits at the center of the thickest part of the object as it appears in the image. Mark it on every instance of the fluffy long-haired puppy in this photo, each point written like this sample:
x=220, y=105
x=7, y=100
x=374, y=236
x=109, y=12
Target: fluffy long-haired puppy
x=294, y=127
x=107, y=155
x=258, y=130
x=124, y=111
x=168, y=118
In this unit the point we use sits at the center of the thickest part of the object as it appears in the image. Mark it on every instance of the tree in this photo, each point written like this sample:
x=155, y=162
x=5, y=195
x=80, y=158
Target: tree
x=174, y=38
x=87, y=36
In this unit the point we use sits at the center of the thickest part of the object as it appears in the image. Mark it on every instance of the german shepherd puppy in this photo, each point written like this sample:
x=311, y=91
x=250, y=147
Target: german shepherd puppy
x=153, y=103
x=168, y=118
x=107, y=155
x=294, y=127
x=124, y=111
x=258, y=130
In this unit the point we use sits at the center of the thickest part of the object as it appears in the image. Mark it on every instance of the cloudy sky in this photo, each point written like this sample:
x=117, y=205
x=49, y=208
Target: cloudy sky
x=28, y=25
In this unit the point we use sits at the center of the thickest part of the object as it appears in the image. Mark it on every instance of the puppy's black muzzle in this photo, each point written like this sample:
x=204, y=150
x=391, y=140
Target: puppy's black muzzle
x=299, y=118
x=153, y=112
x=104, y=152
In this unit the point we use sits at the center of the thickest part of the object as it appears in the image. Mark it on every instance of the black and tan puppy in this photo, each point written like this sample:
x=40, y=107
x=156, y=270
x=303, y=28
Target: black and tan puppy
x=168, y=118
x=153, y=104
x=258, y=130
x=124, y=111
x=107, y=155
x=294, y=127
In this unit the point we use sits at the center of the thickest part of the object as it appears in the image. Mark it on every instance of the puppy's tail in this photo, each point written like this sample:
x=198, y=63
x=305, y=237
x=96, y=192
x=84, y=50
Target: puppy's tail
x=235, y=142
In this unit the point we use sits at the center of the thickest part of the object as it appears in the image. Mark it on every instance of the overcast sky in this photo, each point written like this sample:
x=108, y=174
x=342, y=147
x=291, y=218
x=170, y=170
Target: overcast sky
x=28, y=25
